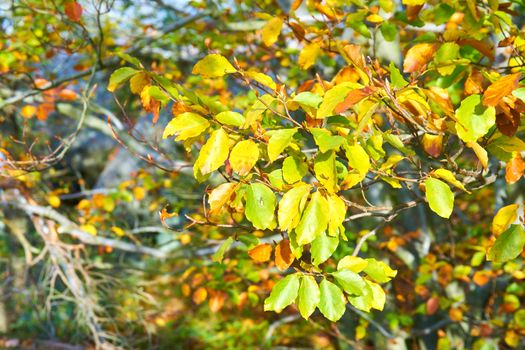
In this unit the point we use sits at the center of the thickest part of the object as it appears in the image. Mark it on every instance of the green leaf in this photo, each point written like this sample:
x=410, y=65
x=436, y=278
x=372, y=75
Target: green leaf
x=185, y=126
x=389, y=31
x=351, y=282
x=314, y=220
x=378, y=295
x=292, y=205
x=519, y=93
x=474, y=119
x=379, y=271
x=279, y=140
x=325, y=140
x=212, y=155
x=213, y=66
x=326, y=171
x=332, y=303
x=294, y=169
x=308, y=99
x=440, y=197
x=120, y=76
x=230, y=118
x=283, y=294
x=260, y=206
x=444, y=56
x=308, y=297
x=322, y=248
x=333, y=97
x=219, y=254
x=397, y=78
x=508, y=245
x=364, y=301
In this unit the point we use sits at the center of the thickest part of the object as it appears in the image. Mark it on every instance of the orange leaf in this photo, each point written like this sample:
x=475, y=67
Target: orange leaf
x=68, y=95
x=481, y=278
x=261, y=253
x=199, y=295
x=73, y=10
x=150, y=104
x=418, y=56
x=352, y=98
x=283, y=255
x=432, y=305
x=216, y=301
x=500, y=89
x=514, y=169
x=43, y=110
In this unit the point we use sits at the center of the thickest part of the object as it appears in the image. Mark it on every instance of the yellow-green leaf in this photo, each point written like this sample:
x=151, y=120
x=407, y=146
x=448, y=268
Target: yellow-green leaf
x=260, y=206
x=213, y=66
x=473, y=119
x=508, y=245
x=325, y=170
x=279, y=140
x=283, y=294
x=449, y=177
x=120, y=76
x=230, y=118
x=185, y=126
x=291, y=206
x=332, y=303
x=440, y=197
x=505, y=216
x=314, y=220
x=308, y=297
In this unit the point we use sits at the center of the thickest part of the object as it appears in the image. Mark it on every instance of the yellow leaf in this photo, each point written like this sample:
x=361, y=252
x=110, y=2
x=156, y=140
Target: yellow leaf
x=118, y=231
x=28, y=111
x=92, y=230
x=54, y=201
x=138, y=82
x=413, y=2
x=504, y=217
x=352, y=263
x=449, y=177
x=213, y=66
x=292, y=205
x=243, y=157
x=261, y=253
x=212, y=155
x=480, y=152
x=308, y=55
x=336, y=214
x=271, y=31
x=139, y=193
x=261, y=78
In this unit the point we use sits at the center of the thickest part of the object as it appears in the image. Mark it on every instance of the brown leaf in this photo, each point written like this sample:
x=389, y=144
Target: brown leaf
x=500, y=89
x=297, y=30
x=514, y=169
x=352, y=98
x=418, y=56
x=261, y=253
x=283, y=255
x=432, y=305
x=73, y=11
x=413, y=12
x=508, y=124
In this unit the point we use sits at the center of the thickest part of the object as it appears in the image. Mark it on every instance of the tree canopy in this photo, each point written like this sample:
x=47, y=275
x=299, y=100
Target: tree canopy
x=271, y=174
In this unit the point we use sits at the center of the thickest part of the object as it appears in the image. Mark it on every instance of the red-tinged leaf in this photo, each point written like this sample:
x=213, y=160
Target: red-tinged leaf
x=73, y=10
x=352, y=98
x=418, y=56
x=500, y=89
x=432, y=144
x=432, y=305
x=261, y=253
x=514, y=169
x=283, y=255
